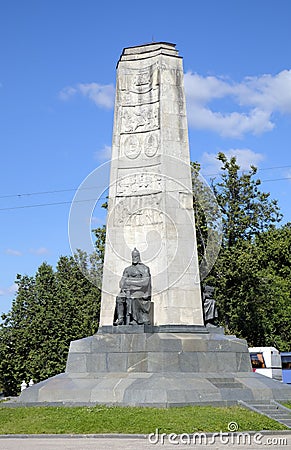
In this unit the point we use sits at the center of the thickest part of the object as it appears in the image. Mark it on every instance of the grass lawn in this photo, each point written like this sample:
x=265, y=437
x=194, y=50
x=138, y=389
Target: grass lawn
x=127, y=420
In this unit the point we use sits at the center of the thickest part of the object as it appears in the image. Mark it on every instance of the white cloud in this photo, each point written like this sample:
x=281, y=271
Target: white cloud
x=13, y=288
x=244, y=157
x=13, y=252
x=229, y=125
x=258, y=97
x=96, y=221
x=67, y=92
x=271, y=93
x=10, y=290
x=104, y=154
x=203, y=89
x=101, y=94
x=39, y=251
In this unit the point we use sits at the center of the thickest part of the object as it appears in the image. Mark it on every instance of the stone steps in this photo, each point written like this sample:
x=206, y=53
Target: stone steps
x=225, y=383
x=271, y=409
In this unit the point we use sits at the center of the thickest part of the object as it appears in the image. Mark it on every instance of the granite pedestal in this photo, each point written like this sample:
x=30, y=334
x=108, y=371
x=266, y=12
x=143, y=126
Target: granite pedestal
x=162, y=369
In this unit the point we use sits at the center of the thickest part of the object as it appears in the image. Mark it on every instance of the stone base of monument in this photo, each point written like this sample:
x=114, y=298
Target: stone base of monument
x=171, y=367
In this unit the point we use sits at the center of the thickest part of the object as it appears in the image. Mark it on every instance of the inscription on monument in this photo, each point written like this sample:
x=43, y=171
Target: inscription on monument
x=139, y=184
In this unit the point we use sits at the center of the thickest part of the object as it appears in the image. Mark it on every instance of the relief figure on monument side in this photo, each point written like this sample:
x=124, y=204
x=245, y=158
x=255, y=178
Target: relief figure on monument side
x=133, y=303
x=142, y=79
x=209, y=306
x=140, y=118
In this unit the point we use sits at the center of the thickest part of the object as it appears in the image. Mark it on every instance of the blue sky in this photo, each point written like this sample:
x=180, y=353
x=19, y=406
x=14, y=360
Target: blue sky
x=57, y=80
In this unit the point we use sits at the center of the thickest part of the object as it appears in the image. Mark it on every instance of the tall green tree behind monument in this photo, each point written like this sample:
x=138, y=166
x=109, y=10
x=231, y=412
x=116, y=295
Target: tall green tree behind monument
x=246, y=210
x=248, y=306
x=14, y=336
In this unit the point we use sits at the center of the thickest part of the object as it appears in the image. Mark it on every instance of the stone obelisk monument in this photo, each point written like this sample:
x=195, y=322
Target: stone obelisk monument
x=150, y=197
x=172, y=359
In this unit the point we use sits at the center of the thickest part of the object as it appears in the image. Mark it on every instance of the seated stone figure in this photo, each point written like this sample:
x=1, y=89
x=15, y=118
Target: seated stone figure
x=209, y=306
x=133, y=303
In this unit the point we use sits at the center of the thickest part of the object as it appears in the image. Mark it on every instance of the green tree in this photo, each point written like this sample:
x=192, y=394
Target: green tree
x=246, y=210
x=79, y=298
x=248, y=292
x=254, y=291
x=272, y=250
x=42, y=349
x=49, y=311
x=14, y=336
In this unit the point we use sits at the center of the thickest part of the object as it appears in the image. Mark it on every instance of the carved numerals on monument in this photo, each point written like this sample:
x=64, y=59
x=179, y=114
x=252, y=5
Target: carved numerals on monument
x=131, y=147
x=151, y=145
x=139, y=144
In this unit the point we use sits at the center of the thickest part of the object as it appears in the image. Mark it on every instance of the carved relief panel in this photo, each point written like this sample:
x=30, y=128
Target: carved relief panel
x=151, y=144
x=144, y=145
x=139, y=86
x=137, y=119
x=139, y=184
x=138, y=211
x=132, y=147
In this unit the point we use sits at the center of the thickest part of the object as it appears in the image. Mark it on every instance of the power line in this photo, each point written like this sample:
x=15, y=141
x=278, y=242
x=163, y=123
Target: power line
x=57, y=191
x=50, y=204
x=47, y=192
x=258, y=170
x=104, y=197
x=276, y=179
x=275, y=167
x=10, y=208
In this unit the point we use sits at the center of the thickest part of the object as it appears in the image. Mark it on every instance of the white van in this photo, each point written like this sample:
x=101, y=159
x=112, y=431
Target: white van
x=266, y=361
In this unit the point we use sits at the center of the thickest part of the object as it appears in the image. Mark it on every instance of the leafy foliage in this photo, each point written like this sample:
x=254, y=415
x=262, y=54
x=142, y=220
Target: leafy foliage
x=100, y=235
x=252, y=272
x=49, y=311
x=254, y=288
x=246, y=210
